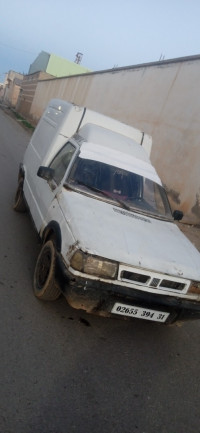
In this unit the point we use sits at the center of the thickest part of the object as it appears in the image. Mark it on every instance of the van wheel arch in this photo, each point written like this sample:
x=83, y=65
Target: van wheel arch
x=21, y=173
x=53, y=232
x=19, y=200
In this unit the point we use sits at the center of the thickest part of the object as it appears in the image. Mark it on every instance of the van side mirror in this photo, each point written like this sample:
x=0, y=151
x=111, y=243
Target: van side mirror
x=177, y=215
x=46, y=173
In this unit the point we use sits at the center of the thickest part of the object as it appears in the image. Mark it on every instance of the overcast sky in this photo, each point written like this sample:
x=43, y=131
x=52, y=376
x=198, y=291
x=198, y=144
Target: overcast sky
x=108, y=32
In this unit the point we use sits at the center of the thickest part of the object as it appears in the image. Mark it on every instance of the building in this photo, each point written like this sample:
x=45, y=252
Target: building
x=55, y=65
x=18, y=89
x=45, y=66
x=1, y=91
x=12, y=87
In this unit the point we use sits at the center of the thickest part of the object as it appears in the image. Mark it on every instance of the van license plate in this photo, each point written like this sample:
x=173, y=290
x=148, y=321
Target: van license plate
x=139, y=313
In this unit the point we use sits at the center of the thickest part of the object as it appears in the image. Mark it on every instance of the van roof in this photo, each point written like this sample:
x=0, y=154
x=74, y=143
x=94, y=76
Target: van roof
x=112, y=140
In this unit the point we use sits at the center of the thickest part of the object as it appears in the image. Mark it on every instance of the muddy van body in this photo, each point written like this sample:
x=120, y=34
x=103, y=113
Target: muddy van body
x=109, y=241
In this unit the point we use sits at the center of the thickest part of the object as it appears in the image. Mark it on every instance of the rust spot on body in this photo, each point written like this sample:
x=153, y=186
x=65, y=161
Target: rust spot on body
x=196, y=208
x=173, y=195
x=72, y=248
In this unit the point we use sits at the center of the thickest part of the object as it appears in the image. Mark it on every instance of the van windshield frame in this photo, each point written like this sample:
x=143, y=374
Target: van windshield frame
x=112, y=184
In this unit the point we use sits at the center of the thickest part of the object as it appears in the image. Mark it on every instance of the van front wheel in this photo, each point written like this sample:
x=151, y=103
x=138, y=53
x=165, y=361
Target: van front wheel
x=44, y=282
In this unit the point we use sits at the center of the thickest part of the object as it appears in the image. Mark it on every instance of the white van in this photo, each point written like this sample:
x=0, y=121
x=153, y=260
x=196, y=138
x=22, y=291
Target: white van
x=109, y=241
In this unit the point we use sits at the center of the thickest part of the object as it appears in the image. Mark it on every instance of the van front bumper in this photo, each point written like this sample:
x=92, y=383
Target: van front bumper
x=98, y=297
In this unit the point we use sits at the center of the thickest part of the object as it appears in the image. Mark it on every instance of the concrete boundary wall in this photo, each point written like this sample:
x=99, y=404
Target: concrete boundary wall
x=163, y=100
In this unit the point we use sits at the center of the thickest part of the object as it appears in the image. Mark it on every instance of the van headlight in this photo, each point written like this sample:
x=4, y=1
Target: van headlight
x=194, y=287
x=93, y=265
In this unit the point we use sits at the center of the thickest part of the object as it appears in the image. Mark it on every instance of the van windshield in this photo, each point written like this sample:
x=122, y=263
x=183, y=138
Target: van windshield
x=110, y=183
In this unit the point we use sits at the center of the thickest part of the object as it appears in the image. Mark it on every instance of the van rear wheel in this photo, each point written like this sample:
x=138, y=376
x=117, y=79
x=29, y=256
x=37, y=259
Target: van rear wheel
x=19, y=202
x=44, y=283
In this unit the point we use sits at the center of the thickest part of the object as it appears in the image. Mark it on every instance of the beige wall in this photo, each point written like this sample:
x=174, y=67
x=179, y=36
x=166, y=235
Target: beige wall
x=162, y=99
x=27, y=92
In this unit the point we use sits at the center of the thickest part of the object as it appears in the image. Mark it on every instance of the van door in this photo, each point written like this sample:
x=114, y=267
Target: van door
x=46, y=191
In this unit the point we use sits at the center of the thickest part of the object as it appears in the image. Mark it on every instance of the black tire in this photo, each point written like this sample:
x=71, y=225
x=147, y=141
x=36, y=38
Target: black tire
x=44, y=283
x=19, y=203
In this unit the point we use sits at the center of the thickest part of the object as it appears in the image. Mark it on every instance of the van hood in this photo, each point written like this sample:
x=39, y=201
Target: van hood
x=109, y=231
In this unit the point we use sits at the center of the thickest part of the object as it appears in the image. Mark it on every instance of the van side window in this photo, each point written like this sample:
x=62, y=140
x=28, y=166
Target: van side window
x=61, y=161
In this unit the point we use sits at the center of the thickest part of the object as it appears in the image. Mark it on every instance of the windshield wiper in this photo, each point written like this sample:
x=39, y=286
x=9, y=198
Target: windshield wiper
x=106, y=194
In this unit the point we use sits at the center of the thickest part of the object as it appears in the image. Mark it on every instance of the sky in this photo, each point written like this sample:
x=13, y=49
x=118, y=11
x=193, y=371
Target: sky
x=109, y=33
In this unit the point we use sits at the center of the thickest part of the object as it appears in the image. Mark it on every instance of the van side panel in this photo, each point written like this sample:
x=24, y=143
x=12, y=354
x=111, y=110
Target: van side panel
x=63, y=119
x=34, y=186
x=46, y=141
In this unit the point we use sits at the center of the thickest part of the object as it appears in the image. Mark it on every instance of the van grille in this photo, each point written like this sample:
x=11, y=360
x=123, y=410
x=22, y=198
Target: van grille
x=133, y=276
x=172, y=285
x=149, y=279
x=155, y=282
